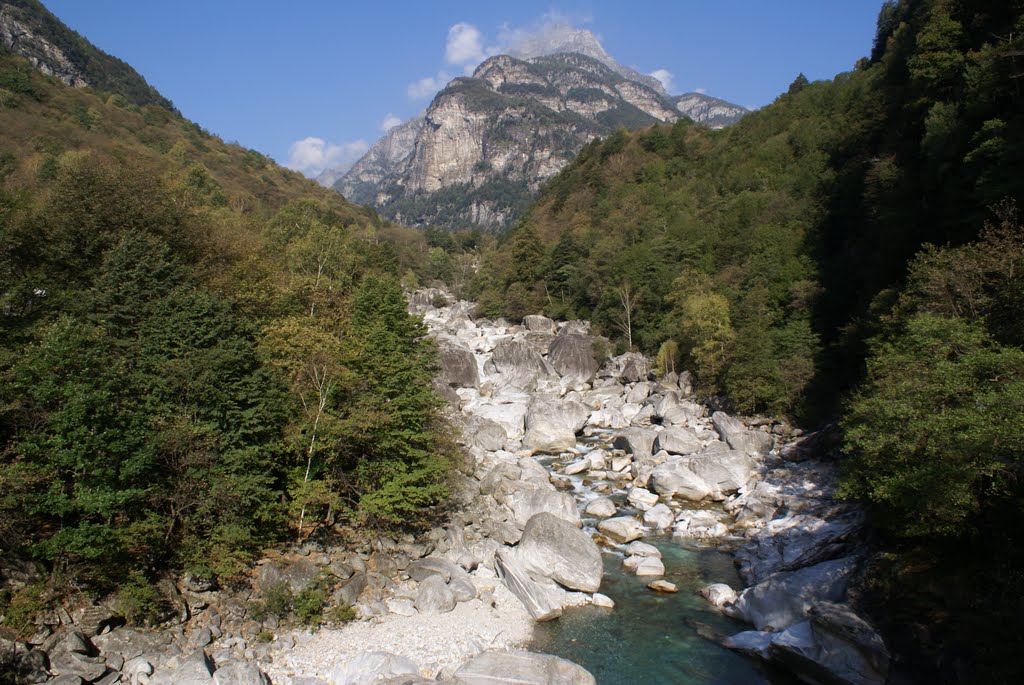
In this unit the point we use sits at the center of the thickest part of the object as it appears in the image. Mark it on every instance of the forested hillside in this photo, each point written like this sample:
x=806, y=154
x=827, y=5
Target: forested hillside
x=201, y=353
x=851, y=250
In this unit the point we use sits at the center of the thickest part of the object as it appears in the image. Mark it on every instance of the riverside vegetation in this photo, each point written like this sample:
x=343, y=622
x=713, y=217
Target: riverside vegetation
x=203, y=354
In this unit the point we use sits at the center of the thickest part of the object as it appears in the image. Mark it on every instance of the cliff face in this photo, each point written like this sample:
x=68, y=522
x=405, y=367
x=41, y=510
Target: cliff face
x=482, y=149
x=18, y=37
x=30, y=30
x=487, y=142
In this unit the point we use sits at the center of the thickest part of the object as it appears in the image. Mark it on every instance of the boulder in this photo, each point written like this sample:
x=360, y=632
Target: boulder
x=572, y=357
x=603, y=601
x=659, y=517
x=641, y=549
x=193, y=669
x=521, y=668
x=240, y=674
x=678, y=441
x=541, y=602
x=718, y=594
x=783, y=599
x=525, y=499
x=539, y=324
x=296, y=572
x=372, y=667
x=434, y=597
x=621, y=528
x=663, y=586
x=636, y=441
x=641, y=498
x=420, y=569
x=556, y=549
x=481, y=432
x=836, y=641
x=723, y=472
x=511, y=416
x=644, y=566
x=609, y=417
x=519, y=364
x=457, y=365
x=630, y=367
x=552, y=424
x=739, y=437
x=798, y=540
x=602, y=507
x=674, y=478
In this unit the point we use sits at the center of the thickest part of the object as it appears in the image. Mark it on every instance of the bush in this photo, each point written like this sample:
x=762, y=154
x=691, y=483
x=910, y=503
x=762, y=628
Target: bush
x=25, y=604
x=341, y=614
x=309, y=606
x=138, y=601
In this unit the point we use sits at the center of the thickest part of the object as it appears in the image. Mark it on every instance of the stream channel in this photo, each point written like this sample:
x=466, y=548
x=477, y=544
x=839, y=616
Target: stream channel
x=651, y=637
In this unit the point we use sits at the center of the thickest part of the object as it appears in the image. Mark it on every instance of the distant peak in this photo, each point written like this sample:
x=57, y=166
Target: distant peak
x=561, y=38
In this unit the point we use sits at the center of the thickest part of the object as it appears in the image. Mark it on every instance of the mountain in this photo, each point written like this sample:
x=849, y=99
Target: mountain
x=485, y=145
x=30, y=30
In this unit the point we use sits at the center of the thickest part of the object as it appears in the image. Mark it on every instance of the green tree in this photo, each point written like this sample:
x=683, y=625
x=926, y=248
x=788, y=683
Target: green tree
x=936, y=425
x=399, y=462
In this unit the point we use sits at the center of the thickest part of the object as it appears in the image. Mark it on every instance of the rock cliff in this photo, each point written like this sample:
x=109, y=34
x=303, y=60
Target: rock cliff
x=487, y=142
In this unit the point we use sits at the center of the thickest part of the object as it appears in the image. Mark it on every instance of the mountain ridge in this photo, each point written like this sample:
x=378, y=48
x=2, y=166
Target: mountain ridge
x=486, y=143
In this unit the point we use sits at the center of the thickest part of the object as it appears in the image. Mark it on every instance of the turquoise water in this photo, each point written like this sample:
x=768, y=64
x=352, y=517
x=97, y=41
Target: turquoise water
x=655, y=638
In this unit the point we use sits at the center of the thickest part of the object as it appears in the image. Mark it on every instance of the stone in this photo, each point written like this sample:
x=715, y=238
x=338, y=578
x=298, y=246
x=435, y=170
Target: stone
x=621, y=528
x=483, y=433
x=674, y=478
x=541, y=603
x=401, y=606
x=636, y=441
x=752, y=642
x=663, y=586
x=552, y=424
x=678, y=441
x=723, y=472
x=370, y=667
x=521, y=668
x=240, y=674
x=420, y=569
x=194, y=669
x=641, y=498
x=644, y=566
x=510, y=416
x=739, y=437
x=539, y=324
x=641, y=549
x=91, y=619
x=519, y=365
x=659, y=517
x=457, y=365
x=601, y=507
x=577, y=467
x=349, y=590
x=434, y=597
x=525, y=499
x=719, y=594
x=784, y=598
x=603, y=601
x=837, y=641
x=295, y=572
x=558, y=550
x=572, y=357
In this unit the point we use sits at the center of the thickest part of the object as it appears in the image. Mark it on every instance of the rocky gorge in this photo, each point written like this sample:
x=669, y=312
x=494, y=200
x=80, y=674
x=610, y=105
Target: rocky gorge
x=574, y=464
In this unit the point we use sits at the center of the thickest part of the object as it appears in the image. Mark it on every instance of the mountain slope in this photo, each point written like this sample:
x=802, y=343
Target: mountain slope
x=487, y=142
x=162, y=296
x=30, y=30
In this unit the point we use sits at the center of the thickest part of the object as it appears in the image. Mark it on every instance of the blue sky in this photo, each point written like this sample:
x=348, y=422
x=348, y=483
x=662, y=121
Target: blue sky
x=312, y=82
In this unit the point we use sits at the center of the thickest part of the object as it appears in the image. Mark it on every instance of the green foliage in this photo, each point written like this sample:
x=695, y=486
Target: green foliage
x=139, y=601
x=935, y=425
x=25, y=604
x=398, y=461
x=308, y=606
x=340, y=614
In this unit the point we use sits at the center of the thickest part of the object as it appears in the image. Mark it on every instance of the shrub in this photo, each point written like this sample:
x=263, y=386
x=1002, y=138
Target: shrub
x=309, y=606
x=139, y=601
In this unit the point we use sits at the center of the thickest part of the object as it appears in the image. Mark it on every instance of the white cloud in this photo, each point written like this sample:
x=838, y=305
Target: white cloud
x=427, y=86
x=464, y=45
x=390, y=121
x=553, y=30
x=702, y=91
x=312, y=155
x=665, y=76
